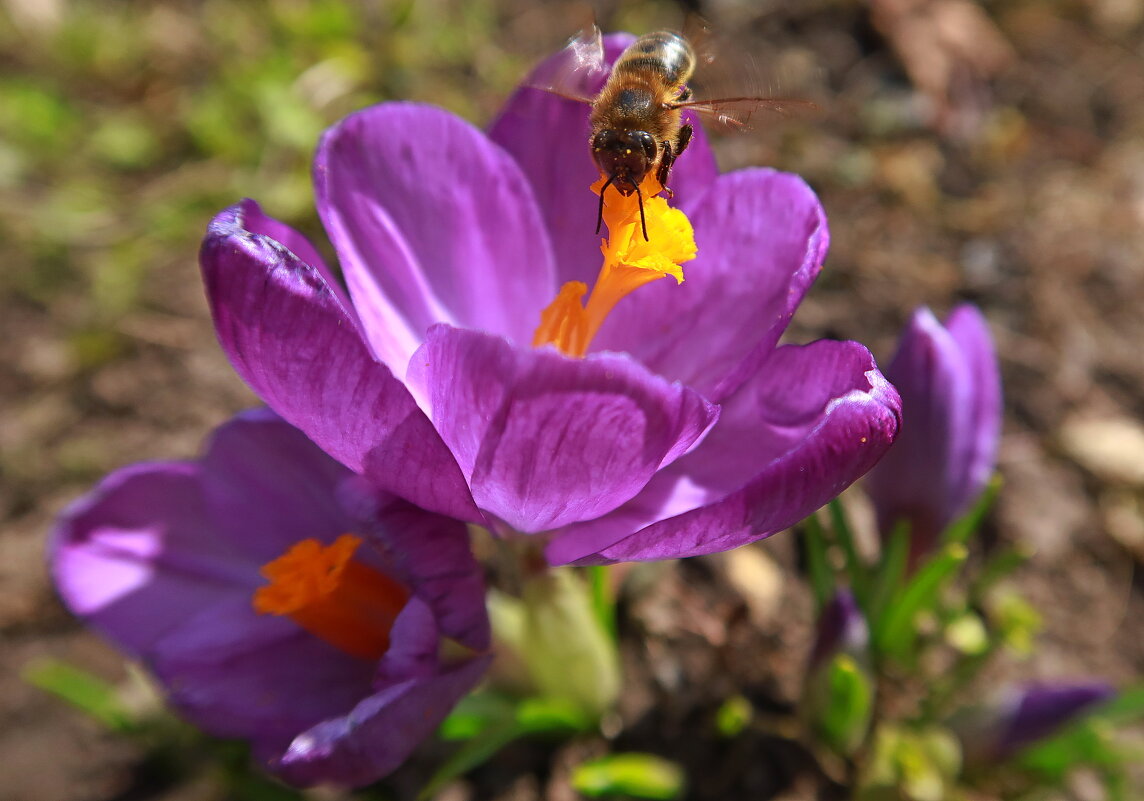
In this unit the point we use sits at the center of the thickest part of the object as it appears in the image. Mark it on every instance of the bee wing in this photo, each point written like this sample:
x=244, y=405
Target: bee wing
x=577, y=66
x=734, y=113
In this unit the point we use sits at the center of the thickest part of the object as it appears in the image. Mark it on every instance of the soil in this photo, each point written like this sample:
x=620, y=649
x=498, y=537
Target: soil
x=1018, y=186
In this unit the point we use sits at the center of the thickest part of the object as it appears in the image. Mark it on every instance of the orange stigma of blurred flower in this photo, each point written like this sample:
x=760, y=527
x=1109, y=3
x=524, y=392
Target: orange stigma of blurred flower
x=324, y=590
x=630, y=261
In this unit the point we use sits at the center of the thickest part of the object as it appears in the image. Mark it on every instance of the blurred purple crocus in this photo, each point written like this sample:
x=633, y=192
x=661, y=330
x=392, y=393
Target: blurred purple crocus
x=841, y=629
x=333, y=670
x=838, y=694
x=1023, y=716
x=684, y=430
x=950, y=384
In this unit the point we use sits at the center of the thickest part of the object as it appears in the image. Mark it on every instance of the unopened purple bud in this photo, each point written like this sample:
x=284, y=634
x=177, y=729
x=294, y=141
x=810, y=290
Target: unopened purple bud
x=950, y=384
x=1024, y=716
x=841, y=630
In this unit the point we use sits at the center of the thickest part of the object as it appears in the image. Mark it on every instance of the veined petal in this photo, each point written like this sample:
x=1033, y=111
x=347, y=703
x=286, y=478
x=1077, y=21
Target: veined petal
x=547, y=440
x=138, y=555
x=257, y=222
x=432, y=223
x=548, y=136
x=267, y=486
x=809, y=423
x=762, y=238
x=236, y=673
x=298, y=348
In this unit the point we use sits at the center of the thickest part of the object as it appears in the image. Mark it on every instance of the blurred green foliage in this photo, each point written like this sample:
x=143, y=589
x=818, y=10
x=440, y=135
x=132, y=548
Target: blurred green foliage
x=126, y=126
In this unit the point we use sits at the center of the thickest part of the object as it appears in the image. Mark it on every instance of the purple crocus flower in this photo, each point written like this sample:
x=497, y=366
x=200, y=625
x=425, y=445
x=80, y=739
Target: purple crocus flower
x=951, y=398
x=684, y=429
x=332, y=670
x=1025, y=715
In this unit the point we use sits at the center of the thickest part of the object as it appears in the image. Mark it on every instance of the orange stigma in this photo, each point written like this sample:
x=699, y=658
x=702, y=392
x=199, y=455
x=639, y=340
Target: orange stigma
x=348, y=604
x=630, y=261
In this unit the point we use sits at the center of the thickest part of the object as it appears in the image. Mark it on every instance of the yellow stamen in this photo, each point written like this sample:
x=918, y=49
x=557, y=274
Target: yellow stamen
x=630, y=261
x=325, y=591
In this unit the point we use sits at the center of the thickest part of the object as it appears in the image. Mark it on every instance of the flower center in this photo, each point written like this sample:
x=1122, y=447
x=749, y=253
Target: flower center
x=630, y=261
x=348, y=604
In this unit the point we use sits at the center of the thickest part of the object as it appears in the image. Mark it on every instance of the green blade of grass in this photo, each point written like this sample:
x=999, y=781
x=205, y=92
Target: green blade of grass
x=81, y=689
x=817, y=563
x=895, y=636
x=855, y=568
x=887, y=579
x=629, y=775
x=963, y=528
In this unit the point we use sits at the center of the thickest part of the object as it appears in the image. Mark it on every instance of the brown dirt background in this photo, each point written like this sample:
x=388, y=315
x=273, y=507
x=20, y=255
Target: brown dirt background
x=1017, y=182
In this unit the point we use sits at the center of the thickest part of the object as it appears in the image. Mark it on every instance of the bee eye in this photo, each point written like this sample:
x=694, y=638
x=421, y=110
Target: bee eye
x=603, y=140
x=648, y=143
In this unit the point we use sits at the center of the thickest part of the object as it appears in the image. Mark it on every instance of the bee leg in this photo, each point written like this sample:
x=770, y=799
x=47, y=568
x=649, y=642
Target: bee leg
x=664, y=169
x=684, y=137
x=670, y=155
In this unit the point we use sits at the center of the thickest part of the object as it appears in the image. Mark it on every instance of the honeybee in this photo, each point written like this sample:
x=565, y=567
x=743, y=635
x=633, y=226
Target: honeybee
x=637, y=117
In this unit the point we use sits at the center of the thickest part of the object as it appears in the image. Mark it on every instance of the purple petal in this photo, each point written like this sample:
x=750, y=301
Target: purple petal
x=841, y=628
x=1038, y=711
x=380, y=732
x=547, y=440
x=762, y=238
x=267, y=486
x=293, y=342
x=923, y=478
x=236, y=673
x=138, y=555
x=807, y=425
x=431, y=554
x=548, y=136
x=967, y=327
x=432, y=223
x=258, y=223
x=414, y=645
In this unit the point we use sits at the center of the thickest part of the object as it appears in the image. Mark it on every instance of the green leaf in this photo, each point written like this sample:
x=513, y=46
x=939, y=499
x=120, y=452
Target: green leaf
x=967, y=634
x=855, y=568
x=603, y=603
x=818, y=563
x=553, y=715
x=1016, y=621
x=1088, y=742
x=1126, y=707
x=633, y=775
x=734, y=715
x=888, y=579
x=568, y=653
x=842, y=700
x=996, y=568
x=474, y=714
x=83, y=690
x=896, y=634
x=960, y=530
x=489, y=721
x=473, y=753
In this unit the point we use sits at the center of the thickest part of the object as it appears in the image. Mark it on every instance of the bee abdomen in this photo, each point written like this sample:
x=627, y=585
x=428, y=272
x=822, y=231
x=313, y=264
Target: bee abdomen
x=665, y=54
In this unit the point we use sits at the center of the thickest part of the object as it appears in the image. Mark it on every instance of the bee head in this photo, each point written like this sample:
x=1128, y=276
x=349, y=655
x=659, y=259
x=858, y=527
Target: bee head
x=624, y=156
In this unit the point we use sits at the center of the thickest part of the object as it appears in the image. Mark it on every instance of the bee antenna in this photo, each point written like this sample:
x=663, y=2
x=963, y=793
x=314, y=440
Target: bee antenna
x=600, y=212
x=639, y=197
